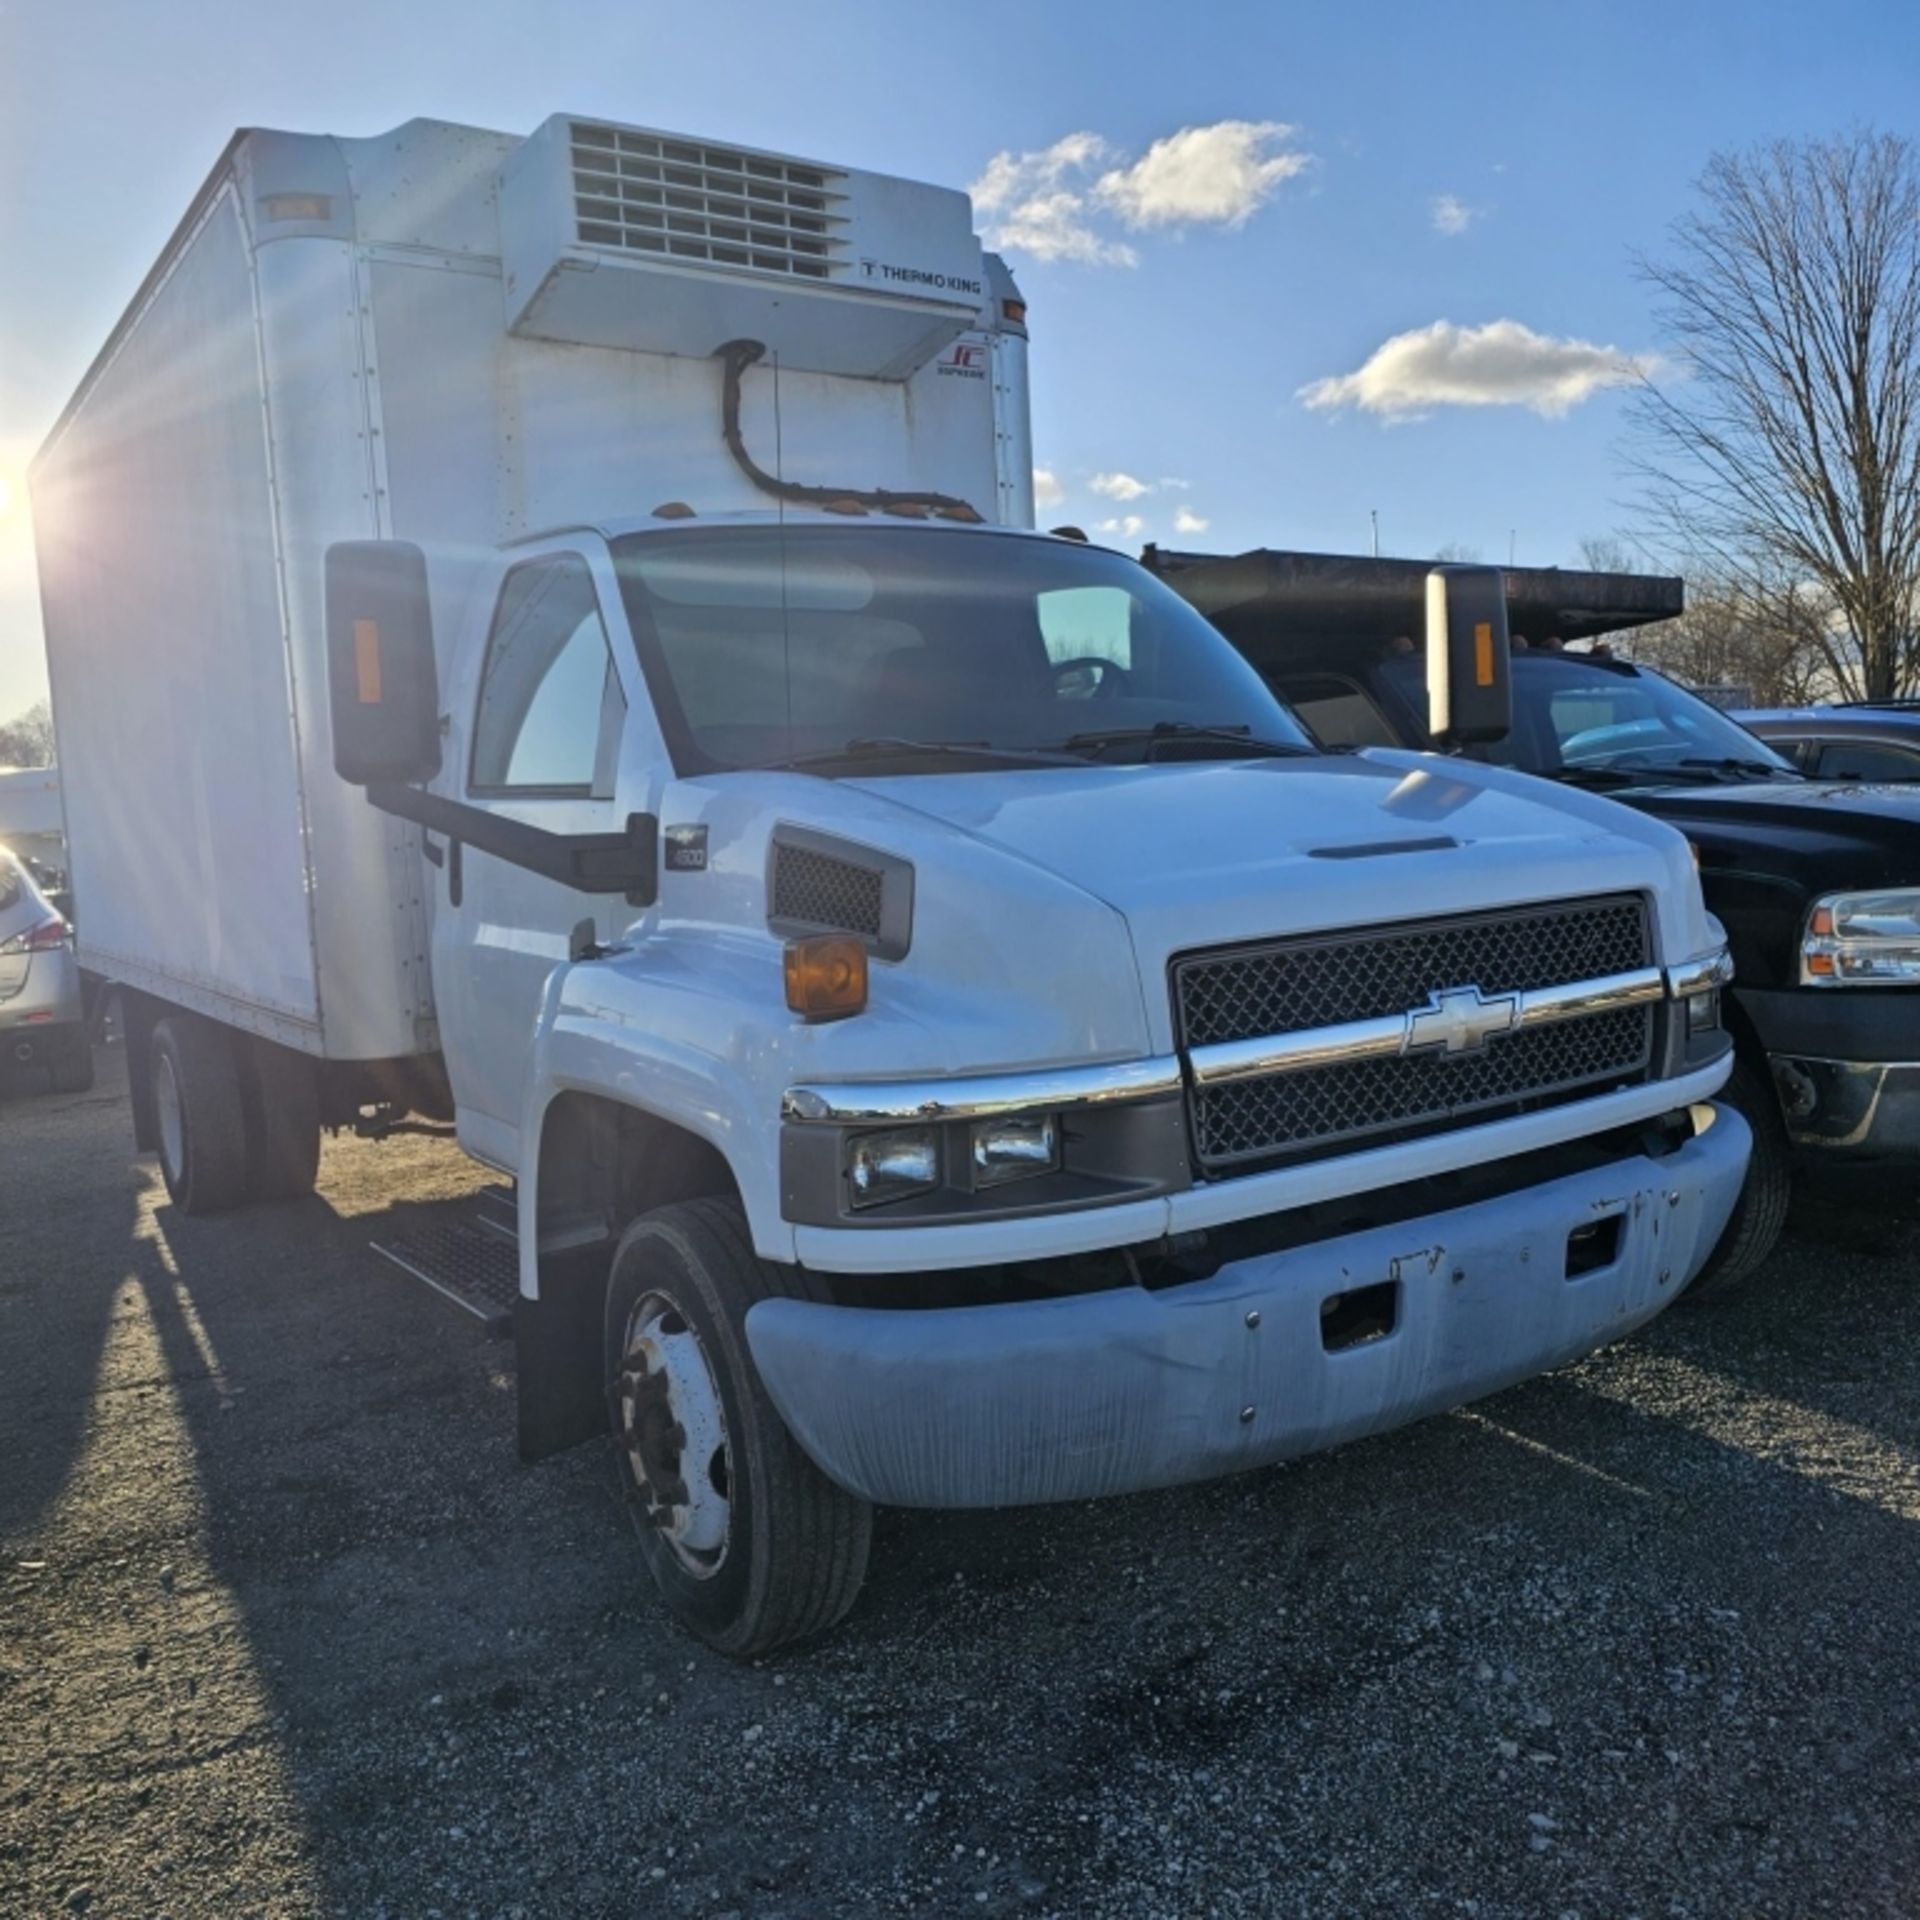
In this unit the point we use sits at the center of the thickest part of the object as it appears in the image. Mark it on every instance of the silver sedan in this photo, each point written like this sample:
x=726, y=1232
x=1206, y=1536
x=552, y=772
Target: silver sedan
x=42, y=1020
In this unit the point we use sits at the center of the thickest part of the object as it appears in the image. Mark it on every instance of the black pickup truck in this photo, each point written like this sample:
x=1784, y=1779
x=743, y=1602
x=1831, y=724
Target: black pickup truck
x=1817, y=882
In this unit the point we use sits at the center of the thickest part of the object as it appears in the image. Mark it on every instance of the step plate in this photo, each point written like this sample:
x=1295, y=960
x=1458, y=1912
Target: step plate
x=476, y=1270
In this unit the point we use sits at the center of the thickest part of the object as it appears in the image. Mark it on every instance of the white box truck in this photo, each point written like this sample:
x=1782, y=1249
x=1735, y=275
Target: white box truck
x=547, y=634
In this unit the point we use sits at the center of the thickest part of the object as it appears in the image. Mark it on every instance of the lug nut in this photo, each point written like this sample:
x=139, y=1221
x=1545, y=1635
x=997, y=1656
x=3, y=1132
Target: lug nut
x=1246, y=1416
x=1253, y=1317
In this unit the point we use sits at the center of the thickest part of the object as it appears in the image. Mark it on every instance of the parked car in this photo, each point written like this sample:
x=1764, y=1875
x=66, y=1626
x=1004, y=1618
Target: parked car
x=1816, y=881
x=1863, y=740
x=42, y=1019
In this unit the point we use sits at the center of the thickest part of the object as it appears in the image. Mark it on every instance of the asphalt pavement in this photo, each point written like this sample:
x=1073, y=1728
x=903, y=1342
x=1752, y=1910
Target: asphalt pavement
x=285, y=1630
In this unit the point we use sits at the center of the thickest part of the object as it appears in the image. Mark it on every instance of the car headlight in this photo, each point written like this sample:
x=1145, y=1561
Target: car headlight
x=891, y=1165
x=1006, y=1150
x=1863, y=940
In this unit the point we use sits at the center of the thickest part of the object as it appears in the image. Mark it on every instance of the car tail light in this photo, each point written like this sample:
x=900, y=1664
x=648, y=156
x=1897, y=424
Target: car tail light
x=41, y=939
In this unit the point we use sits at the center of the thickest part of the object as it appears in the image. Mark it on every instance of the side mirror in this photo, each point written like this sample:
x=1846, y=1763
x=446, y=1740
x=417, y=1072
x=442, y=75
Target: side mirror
x=382, y=685
x=1469, y=665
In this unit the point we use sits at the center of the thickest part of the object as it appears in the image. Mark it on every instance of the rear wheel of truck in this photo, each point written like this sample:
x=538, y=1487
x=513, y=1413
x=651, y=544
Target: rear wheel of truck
x=198, y=1116
x=71, y=1068
x=752, y=1546
x=281, y=1097
x=1760, y=1214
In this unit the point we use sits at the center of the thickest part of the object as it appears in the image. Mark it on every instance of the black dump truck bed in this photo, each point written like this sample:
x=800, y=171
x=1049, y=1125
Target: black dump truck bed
x=1336, y=596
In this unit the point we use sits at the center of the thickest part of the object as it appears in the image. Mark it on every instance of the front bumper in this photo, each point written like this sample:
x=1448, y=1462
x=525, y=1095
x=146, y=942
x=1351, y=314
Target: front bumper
x=1846, y=1064
x=40, y=1016
x=1843, y=1107
x=1068, y=1399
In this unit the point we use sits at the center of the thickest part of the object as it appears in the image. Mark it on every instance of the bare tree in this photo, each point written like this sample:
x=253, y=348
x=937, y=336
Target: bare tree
x=27, y=739
x=1742, y=631
x=1788, y=449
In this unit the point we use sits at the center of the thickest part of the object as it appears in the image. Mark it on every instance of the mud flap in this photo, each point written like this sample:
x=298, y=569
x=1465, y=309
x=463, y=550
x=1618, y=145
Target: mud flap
x=557, y=1352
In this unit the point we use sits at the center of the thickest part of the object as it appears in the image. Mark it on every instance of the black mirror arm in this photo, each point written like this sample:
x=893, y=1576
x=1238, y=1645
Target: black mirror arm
x=627, y=862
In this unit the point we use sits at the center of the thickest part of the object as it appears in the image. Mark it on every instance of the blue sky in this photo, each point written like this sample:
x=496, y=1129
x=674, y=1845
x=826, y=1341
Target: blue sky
x=1262, y=261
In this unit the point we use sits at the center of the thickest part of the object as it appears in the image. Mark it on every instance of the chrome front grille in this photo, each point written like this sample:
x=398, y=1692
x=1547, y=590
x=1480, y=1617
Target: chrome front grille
x=1300, y=1046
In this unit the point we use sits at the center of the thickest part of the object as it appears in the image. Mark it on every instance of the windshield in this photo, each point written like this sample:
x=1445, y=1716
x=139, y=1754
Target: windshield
x=1572, y=714
x=763, y=646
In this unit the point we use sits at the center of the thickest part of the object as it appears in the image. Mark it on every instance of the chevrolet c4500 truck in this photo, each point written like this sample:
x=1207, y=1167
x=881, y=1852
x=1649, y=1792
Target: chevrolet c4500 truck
x=546, y=636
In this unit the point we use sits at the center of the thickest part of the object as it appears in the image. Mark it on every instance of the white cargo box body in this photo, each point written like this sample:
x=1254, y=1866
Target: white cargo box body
x=331, y=349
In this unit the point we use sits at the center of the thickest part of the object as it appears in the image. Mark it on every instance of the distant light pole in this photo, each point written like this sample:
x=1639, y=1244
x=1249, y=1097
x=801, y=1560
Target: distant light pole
x=1373, y=514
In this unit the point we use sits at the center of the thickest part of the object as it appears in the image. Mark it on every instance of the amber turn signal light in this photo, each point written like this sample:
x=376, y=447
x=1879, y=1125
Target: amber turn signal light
x=827, y=977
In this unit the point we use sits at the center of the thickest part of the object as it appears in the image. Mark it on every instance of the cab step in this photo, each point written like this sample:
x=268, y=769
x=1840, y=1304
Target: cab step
x=467, y=1262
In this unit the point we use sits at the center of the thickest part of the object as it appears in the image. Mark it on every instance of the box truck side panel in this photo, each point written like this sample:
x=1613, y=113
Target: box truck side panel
x=166, y=647
x=323, y=404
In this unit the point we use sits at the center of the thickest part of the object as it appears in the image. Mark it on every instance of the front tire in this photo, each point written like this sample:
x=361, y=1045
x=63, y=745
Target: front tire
x=751, y=1545
x=1760, y=1214
x=198, y=1114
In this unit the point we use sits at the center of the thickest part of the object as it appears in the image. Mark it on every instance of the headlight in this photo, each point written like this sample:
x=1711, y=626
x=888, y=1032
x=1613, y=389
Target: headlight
x=1703, y=1011
x=1006, y=1150
x=1863, y=940
x=889, y=1166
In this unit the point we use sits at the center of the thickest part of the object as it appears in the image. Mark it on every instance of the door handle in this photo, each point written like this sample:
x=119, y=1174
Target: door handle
x=448, y=857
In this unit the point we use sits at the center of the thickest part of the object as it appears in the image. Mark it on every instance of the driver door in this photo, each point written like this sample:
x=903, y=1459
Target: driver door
x=540, y=744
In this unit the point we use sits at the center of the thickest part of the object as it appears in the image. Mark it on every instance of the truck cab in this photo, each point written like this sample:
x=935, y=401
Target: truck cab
x=1038, y=1068
x=1816, y=880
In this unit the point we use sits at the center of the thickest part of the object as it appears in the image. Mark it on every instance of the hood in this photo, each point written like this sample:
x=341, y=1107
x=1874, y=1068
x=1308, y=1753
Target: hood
x=1836, y=833
x=1197, y=854
x=1769, y=848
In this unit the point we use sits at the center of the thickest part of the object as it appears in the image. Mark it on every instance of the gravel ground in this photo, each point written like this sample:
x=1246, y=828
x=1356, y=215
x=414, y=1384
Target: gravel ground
x=284, y=1630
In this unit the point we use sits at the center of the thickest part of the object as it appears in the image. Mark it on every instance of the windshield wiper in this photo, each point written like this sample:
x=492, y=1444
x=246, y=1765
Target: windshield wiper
x=1596, y=776
x=888, y=747
x=1179, y=733
x=1645, y=773
x=1731, y=763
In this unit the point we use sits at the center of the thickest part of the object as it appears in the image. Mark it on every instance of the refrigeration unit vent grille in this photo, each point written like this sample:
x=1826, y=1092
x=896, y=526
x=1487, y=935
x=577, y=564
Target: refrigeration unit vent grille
x=645, y=194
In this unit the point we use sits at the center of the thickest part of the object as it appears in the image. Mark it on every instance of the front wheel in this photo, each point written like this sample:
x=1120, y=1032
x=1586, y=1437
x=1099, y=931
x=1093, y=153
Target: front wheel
x=751, y=1545
x=1760, y=1214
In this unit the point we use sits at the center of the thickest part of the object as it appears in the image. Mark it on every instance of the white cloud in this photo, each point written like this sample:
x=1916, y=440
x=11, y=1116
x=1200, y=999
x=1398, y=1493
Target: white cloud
x=1187, y=521
x=1502, y=364
x=1034, y=203
x=1452, y=215
x=1168, y=480
x=1047, y=490
x=1049, y=203
x=1010, y=177
x=1129, y=524
x=1214, y=176
x=1119, y=486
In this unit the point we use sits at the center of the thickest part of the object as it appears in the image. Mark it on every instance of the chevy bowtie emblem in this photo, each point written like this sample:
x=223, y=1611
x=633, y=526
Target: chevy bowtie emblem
x=1460, y=1020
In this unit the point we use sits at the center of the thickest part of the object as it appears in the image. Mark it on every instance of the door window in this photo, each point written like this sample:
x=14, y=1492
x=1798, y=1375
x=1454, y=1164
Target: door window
x=1867, y=760
x=1337, y=711
x=551, y=709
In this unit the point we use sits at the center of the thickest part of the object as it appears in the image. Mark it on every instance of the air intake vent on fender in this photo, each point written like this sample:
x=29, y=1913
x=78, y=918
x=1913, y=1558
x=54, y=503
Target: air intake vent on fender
x=817, y=884
x=820, y=891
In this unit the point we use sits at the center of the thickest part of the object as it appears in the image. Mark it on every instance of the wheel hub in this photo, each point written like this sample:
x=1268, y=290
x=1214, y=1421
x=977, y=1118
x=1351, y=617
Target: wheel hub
x=673, y=1428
